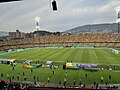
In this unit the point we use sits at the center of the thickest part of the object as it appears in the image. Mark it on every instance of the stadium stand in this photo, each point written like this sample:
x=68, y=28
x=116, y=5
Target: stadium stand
x=86, y=39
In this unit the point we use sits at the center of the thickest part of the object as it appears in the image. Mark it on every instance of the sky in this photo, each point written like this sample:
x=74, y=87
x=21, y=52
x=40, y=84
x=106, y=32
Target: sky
x=71, y=13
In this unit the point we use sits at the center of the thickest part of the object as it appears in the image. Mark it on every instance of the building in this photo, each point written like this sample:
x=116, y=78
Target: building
x=13, y=35
x=20, y=35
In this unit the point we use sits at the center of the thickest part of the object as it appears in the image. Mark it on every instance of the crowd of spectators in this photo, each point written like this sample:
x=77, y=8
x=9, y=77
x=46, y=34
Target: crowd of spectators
x=6, y=85
x=86, y=39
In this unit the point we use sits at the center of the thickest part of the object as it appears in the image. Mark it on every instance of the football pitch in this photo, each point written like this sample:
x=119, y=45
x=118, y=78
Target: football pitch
x=76, y=55
x=100, y=56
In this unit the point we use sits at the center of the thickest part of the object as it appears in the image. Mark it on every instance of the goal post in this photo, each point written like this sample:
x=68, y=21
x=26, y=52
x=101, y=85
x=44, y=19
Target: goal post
x=115, y=51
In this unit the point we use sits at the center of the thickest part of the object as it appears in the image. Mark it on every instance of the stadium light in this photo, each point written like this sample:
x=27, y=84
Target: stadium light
x=118, y=21
x=117, y=9
x=37, y=19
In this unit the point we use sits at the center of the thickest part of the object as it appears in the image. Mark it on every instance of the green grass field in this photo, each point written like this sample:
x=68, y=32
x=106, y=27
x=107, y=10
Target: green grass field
x=77, y=55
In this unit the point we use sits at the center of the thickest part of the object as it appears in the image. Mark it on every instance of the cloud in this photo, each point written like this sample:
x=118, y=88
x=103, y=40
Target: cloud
x=71, y=13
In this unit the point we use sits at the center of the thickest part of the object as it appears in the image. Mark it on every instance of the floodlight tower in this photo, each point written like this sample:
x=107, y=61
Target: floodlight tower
x=37, y=19
x=118, y=19
x=119, y=22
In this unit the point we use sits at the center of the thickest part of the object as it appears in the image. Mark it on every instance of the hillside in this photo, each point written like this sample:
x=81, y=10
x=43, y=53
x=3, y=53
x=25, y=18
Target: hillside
x=111, y=28
x=2, y=33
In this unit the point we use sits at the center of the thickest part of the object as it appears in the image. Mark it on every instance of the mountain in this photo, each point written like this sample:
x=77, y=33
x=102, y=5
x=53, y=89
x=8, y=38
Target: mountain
x=94, y=28
x=2, y=33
